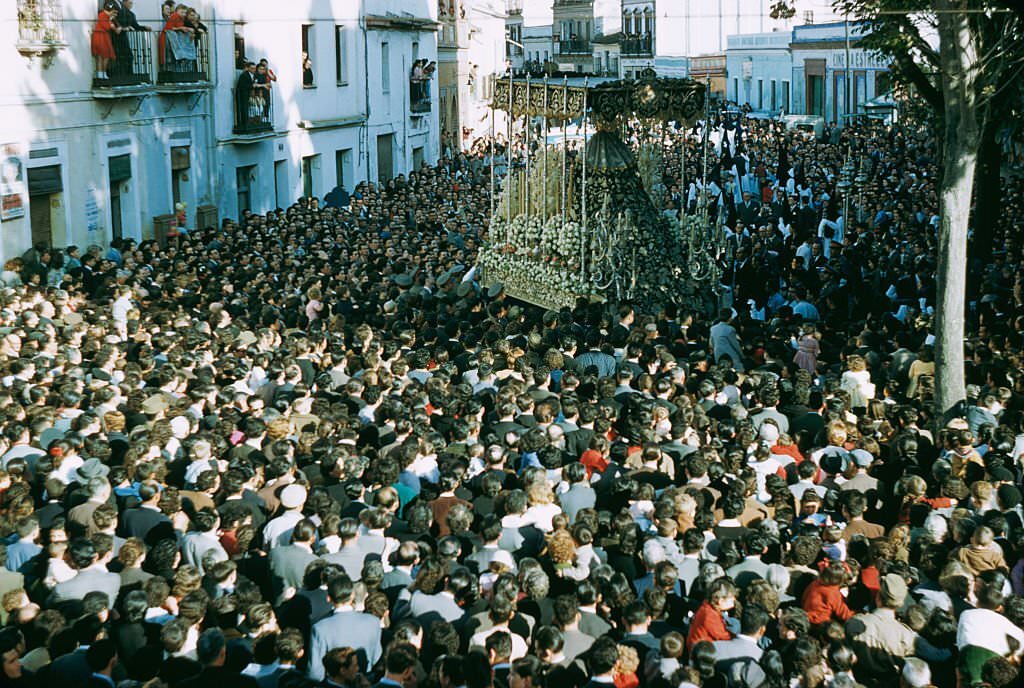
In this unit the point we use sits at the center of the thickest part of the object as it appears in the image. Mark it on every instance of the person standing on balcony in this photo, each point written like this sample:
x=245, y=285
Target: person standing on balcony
x=262, y=88
x=102, y=41
x=199, y=30
x=243, y=93
x=175, y=22
x=125, y=21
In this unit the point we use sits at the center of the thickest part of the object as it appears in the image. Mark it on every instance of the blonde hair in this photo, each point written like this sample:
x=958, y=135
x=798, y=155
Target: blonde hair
x=114, y=421
x=539, y=493
x=836, y=433
x=628, y=662
x=561, y=547
x=856, y=363
x=279, y=428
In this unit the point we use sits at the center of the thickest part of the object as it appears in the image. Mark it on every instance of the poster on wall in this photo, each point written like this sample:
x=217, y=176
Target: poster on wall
x=92, y=211
x=12, y=182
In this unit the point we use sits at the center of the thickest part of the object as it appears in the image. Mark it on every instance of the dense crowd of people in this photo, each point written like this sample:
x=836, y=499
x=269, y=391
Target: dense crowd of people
x=307, y=448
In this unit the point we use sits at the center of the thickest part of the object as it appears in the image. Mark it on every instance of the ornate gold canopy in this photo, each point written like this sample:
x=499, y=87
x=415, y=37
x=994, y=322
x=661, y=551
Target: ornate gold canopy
x=649, y=97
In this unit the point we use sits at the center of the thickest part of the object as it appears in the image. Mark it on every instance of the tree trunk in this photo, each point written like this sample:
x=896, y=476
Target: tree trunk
x=988, y=200
x=961, y=139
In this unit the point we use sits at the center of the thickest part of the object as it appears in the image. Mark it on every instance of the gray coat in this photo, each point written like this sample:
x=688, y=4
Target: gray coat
x=578, y=497
x=86, y=581
x=344, y=629
x=288, y=566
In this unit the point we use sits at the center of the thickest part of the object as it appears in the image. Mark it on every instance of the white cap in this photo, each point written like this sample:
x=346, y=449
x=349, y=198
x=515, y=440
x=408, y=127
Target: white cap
x=293, y=496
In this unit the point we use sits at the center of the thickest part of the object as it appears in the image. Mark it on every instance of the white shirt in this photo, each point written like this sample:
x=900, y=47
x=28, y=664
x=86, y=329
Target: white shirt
x=987, y=629
x=279, y=531
x=119, y=309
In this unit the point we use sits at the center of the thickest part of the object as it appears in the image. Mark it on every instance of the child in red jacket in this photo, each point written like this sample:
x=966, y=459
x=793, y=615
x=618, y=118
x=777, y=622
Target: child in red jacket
x=823, y=599
x=709, y=621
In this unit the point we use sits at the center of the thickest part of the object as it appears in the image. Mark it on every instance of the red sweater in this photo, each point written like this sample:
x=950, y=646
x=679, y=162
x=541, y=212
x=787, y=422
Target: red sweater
x=707, y=624
x=824, y=602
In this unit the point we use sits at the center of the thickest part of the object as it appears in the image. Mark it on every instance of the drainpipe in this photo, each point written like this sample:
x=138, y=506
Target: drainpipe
x=366, y=86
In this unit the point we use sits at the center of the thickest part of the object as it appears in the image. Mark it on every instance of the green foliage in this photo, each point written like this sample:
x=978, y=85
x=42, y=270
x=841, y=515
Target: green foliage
x=782, y=9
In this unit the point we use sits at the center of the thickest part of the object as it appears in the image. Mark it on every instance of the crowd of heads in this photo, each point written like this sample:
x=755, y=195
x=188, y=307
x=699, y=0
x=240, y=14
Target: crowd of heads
x=308, y=445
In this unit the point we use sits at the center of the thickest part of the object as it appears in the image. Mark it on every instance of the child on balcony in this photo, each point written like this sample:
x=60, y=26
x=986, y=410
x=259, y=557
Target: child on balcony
x=102, y=42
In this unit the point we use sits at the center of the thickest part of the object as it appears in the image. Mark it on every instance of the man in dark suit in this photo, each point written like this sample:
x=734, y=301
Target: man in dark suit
x=811, y=424
x=289, y=649
x=341, y=668
x=399, y=667
x=73, y=668
x=243, y=91
x=101, y=658
x=138, y=522
x=211, y=651
x=344, y=628
x=637, y=620
x=288, y=563
x=748, y=210
x=601, y=662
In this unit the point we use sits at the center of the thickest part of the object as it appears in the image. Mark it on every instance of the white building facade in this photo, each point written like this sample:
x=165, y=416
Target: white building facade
x=86, y=162
x=759, y=70
x=804, y=71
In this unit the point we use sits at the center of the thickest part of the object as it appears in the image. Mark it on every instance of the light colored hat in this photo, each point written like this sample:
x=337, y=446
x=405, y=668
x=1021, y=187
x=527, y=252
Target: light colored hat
x=92, y=468
x=893, y=590
x=862, y=457
x=180, y=427
x=293, y=496
x=244, y=340
x=154, y=405
x=769, y=432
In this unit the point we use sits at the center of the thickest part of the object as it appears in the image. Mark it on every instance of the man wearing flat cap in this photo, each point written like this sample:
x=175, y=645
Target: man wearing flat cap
x=882, y=641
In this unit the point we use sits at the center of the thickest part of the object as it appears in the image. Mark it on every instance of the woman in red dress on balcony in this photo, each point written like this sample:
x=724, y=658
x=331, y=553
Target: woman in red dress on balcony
x=102, y=41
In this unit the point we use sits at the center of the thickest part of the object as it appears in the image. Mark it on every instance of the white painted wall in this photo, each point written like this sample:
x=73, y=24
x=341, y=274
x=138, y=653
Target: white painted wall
x=52, y=116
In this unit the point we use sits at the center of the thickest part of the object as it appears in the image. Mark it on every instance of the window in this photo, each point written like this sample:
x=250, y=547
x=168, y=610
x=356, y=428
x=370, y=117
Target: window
x=760, y=94
x=385, y=67
x=310, y=165
x=243, y=178
x=239, y=45
x=785, y=96
x=343, y=166
x=735, y=88
x=774, y=99
x=308, y=51
x=340, y=56
x=415, y=50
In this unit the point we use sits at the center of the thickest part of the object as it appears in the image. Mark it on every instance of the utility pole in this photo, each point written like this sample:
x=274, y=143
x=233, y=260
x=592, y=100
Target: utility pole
x=849, y=99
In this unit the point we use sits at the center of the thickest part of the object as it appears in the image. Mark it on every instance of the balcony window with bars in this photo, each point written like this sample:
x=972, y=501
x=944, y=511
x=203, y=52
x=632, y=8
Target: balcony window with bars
x=39, y=22
x=40, y=30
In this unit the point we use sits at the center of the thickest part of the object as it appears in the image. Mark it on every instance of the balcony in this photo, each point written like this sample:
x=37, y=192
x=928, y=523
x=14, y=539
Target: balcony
x=132, y=71
x=39, y=29
x=636, y=46
x=188, y=70
x=254, y=113
x=419, y=96
x=574, y=46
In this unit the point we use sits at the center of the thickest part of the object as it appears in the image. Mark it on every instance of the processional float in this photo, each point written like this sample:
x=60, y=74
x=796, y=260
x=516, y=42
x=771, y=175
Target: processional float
x=578, y=217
